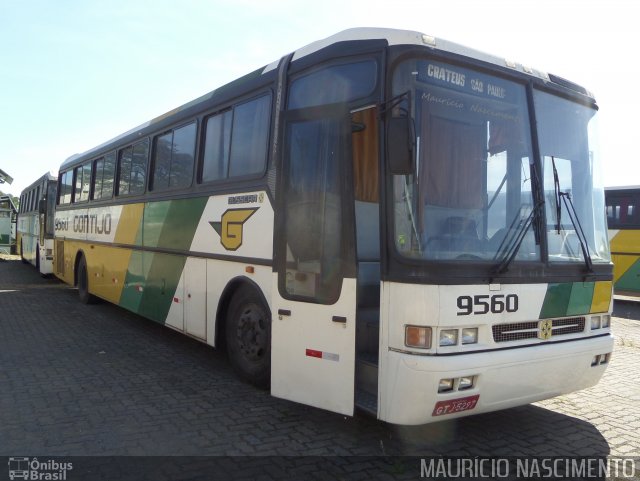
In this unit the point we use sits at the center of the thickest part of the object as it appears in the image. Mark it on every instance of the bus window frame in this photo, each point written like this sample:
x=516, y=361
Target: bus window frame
x=202, y=136
x=150, y=184
x=118, y=171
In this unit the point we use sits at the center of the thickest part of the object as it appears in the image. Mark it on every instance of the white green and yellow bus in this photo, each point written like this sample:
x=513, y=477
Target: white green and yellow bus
x=623, y=216
x=380, y=219
x=35, y=223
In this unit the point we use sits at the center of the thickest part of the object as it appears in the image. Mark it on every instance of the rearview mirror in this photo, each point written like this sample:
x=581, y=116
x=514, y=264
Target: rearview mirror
x=400, y=142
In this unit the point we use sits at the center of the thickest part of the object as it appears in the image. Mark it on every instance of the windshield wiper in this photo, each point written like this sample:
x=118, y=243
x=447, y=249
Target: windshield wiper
x=573, y=216
x=509, y=248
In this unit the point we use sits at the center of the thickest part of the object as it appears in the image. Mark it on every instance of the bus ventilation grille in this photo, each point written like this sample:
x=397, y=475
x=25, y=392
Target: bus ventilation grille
x=529, y=330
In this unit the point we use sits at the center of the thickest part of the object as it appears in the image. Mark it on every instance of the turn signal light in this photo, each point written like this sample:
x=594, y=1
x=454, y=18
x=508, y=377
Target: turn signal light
x=417, y=336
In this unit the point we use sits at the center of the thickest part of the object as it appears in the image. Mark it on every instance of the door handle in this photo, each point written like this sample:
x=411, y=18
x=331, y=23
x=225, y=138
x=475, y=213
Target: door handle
x=340, y=319
x=284, y=312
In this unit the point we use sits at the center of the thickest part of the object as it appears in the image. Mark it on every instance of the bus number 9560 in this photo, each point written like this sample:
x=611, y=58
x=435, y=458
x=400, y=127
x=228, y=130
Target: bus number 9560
x=483, y=304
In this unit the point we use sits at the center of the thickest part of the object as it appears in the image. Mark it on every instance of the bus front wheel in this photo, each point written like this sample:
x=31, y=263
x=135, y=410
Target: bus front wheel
x=83, y=283
x=248, y=337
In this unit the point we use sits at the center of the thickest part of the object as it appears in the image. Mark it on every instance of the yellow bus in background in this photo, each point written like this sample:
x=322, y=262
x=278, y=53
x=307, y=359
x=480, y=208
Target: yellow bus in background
x=623, y=217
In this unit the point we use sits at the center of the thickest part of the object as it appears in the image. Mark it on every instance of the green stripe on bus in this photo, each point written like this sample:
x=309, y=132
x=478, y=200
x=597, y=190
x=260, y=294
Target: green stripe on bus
x=172, y=224
x=630, y=280
x=556, y=300
x=155, y=214
x=134, y=281
x=162, y=281
x=581, y=298
x=567, y=299
x=152, y=278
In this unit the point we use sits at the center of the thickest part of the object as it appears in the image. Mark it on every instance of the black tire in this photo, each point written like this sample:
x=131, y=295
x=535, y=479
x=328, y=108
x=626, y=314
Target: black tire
x=248, y=337
x=83, y=283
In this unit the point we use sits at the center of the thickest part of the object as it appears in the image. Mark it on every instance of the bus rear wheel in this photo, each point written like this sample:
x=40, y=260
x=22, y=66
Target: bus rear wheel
x=248, y=337
x=83, y=283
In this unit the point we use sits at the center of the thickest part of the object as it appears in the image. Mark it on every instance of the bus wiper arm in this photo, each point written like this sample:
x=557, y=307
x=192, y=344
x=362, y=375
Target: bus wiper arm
x=514, y=244
x=573, y=216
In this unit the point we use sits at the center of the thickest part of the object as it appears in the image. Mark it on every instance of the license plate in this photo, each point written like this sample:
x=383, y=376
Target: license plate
x=455, y=405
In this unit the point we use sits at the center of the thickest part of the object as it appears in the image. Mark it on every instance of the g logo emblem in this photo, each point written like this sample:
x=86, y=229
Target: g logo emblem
x=230, y=227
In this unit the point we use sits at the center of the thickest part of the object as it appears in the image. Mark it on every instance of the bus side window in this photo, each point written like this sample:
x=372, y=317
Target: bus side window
x=173, y=158
x=98, y=168
x=108, y=174
x=249, y=140
x=132, y=168
x=124, y=170
x=217, y=143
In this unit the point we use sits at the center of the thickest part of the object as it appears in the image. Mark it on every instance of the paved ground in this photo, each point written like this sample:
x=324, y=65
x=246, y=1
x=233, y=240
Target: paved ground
x=80, y=380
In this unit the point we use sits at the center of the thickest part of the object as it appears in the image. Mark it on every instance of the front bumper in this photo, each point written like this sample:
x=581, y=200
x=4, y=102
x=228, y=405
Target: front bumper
x=503, y=378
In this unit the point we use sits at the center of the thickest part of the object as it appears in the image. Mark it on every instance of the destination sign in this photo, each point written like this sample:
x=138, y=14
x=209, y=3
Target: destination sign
x=468, y=81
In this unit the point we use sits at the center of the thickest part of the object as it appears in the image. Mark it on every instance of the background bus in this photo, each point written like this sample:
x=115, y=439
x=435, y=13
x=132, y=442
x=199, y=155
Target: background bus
x=35, y=223
x=623, y=217
x=362, y=223
x=8, y=213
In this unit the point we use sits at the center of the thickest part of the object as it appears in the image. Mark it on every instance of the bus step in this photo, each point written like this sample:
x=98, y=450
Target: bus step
x=367, y=401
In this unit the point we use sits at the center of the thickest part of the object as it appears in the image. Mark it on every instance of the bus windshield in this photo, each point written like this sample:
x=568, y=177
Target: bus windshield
x=474, y=194
x=470, y=196
x=573, y=187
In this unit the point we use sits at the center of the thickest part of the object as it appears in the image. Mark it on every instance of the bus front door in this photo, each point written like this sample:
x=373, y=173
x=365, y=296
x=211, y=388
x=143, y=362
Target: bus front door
x=314, y=296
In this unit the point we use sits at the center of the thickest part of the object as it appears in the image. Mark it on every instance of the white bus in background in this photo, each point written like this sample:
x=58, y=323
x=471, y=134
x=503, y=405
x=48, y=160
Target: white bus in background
x=35, y=223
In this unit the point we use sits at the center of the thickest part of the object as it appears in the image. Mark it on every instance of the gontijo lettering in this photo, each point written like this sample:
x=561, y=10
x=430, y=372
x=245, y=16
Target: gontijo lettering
x=92, y=224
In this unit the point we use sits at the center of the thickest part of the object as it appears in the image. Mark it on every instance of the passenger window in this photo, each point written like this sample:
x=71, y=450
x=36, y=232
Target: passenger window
x=66, y=187
x=98, y=168
x=108, y=174
x=216, y=147
x=133, y=168
x=249, y=140
x=139, y=167
x=125, y=170
x=236, y=141
x=174, y=157
x=83, y=181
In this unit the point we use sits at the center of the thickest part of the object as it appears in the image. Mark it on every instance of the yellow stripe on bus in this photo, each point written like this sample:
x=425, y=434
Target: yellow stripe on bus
x=601, y=296
x=129, y=224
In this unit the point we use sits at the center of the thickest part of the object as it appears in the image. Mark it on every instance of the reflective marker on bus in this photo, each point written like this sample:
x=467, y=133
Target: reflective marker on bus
x=424, y=225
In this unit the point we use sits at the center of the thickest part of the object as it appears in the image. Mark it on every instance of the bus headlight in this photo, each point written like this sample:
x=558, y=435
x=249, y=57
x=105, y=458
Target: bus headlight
x=445, y=385
x=417, y=336
x=448, y=337
x=606, y=320
x=465, y=383
x=470, y=335
x=595, y=322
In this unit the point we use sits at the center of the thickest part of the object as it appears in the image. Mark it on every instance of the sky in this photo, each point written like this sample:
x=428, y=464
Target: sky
x=76, y=73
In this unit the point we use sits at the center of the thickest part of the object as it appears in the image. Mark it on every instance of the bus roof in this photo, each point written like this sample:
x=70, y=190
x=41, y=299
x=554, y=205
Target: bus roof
x=48, y=176
x=391, y=36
